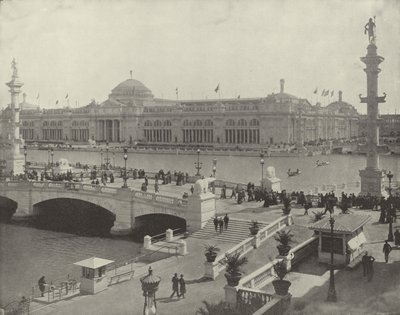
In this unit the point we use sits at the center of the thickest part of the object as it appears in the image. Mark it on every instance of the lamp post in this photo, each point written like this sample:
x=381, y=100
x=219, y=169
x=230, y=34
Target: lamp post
x=113, y=160
x=125, y=158
x=198, y=163
x=52, y=170
x=390, y=234
x=262, y=169
x=101, y=159
x=331, y=291
x=26, y=170
x=107, y=156
x=214, y=168
x=48, y=156
x=150, y=286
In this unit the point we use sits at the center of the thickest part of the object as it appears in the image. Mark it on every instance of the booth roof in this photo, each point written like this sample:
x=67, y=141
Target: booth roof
x=94, y=262
x=344, y=223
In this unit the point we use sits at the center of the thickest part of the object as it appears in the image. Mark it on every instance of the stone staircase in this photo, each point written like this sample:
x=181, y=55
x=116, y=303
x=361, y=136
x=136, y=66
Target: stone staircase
x=238, y=230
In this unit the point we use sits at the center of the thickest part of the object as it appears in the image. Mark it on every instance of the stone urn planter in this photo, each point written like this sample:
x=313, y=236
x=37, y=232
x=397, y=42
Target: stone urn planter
x=284, y=238
x=254, y=228
x=233, y=279
x=281, y=286
x=233, y=263
x=283, y=249
x=211, y=252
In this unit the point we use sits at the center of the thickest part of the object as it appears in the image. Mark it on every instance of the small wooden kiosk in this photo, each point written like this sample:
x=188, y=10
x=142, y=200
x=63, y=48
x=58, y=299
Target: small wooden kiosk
x=94, y=276
x=348, y=238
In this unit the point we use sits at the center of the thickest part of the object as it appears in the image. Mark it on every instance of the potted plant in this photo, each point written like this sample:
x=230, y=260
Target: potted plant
x=211, y=252
x=254, y=228
x=286, y=206
x=281, y=286
x=233, y=263
x=284, y=238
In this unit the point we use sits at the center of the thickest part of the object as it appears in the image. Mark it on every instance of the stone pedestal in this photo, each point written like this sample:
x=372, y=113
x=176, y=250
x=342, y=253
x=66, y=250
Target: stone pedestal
x=230, y=295
x=147, y=242
x=372, y=182
x=271, y=182
x=211, y=270
x=182, y=248
x=169, y=235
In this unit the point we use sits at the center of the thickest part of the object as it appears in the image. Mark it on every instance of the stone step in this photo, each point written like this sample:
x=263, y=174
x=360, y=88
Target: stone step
x=238, y=230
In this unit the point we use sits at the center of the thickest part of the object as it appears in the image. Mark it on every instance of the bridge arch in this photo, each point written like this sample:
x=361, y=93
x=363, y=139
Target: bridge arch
x=157, y=223
x=74, y=216
x=7, y=208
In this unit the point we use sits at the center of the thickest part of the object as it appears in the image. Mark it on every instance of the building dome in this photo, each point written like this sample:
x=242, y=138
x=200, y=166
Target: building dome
x=131, y=89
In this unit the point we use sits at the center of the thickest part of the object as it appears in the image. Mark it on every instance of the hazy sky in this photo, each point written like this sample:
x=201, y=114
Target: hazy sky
x=85, y=48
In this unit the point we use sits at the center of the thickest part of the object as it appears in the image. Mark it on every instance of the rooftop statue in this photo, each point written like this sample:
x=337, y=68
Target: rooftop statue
x=370, y=28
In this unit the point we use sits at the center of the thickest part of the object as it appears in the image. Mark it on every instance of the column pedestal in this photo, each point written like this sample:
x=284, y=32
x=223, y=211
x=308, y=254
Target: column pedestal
x=372, y=182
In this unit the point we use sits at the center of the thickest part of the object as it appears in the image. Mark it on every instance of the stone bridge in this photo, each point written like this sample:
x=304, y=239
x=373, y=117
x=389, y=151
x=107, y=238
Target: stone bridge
x=125, y=203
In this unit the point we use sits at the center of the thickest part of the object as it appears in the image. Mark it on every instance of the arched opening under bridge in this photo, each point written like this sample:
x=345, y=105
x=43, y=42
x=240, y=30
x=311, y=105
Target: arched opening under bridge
x=7, y=209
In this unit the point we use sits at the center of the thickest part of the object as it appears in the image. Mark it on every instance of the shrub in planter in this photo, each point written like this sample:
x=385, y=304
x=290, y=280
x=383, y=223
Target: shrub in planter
x=234, y=263
x=281, y=286
x=254, y=228
x=211, y=252
x=284, y=238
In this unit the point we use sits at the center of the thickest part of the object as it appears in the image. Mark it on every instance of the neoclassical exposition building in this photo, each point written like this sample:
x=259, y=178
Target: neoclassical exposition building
x=132, y=114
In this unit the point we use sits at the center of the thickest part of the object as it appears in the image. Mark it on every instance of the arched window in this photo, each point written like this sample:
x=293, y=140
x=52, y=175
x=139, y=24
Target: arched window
x=167, y=123
x=25, y=123
x=242, y=122
x=197, y=123
x=60, y=123
x=230, y=122
x=208, y=122
x=32, y=124
x=186, y=123
x=53, y=124
x=254, y=122
x=45, y=123
x=82, y=123
x=148, y=123
x=157, y=123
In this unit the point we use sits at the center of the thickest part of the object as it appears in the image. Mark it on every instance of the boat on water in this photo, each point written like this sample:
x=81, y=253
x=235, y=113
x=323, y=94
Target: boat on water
x=293, y=173
x=322, y=163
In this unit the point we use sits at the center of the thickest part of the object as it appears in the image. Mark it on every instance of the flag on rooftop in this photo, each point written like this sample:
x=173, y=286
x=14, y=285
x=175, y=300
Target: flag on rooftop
x=333, y=92
x=326, y=93
x=323, y=92
x=239, y=96
x=66, y=96
x=56, y=102
x=316, y=91
x=37, y=96
x=217, y=88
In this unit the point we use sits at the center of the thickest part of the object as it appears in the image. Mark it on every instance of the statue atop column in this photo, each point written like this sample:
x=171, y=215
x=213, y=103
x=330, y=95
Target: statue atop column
x=370, y=28
x=14, y=67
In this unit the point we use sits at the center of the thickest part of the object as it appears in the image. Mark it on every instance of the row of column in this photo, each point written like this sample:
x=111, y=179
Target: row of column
x=52, y=134
x=80, y=134
x=158, y=135
x=27, y=133
x=108, y=130
x=198, y=135
x=242, y=136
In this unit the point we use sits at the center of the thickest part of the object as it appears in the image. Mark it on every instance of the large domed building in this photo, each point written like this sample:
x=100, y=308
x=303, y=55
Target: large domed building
x=132, y=114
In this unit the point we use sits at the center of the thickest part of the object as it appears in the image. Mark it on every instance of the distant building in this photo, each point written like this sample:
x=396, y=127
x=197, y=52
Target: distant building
x=132, y=114
x=389, y=125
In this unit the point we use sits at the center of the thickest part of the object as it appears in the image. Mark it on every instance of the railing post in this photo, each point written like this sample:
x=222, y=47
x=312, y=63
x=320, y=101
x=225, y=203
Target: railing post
x=147, y=242
x=169, y=235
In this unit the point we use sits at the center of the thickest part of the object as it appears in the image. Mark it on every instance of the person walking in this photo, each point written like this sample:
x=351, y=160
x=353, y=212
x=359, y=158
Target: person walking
x=175, y=285
x=216, y=223
x=386, y=250
x=221, y=225
x=226, y=221
x=397, y=237
x=42, y=285
x=182, y=287
x=364, y=261
x=156, y=190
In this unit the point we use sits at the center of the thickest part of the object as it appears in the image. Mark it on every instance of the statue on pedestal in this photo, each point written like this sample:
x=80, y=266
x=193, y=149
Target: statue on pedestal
x=370, y=28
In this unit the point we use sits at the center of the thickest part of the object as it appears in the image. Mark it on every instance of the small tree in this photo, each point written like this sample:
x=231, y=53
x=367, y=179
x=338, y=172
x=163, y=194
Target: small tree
x=234, y=263
x=284, y=237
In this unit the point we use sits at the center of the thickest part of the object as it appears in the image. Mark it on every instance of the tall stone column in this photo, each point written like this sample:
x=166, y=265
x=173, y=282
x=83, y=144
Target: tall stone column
x=14, y=158
x=372, y=176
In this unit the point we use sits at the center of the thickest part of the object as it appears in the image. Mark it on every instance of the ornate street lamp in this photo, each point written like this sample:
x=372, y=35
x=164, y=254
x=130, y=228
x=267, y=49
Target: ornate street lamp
x=214, y=169
x=262, y=169
x=48, y=156
x=198, y=163
x=107, y=156
x=390, y=234
x=52, y=170
x=26, y=170
x=331, y=291
x=125, y=158
x=150, y=286
x=113, y=160
x=101, y=159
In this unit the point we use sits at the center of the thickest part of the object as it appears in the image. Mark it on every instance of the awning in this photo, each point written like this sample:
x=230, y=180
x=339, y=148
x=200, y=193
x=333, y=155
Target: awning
x=357, y=241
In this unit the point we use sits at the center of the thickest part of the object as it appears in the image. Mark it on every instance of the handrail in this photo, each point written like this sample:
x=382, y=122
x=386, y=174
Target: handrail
x=155, y=239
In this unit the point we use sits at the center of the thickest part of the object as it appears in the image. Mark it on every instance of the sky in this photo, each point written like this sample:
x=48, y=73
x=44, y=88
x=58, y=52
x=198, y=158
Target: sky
x=86, y=48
